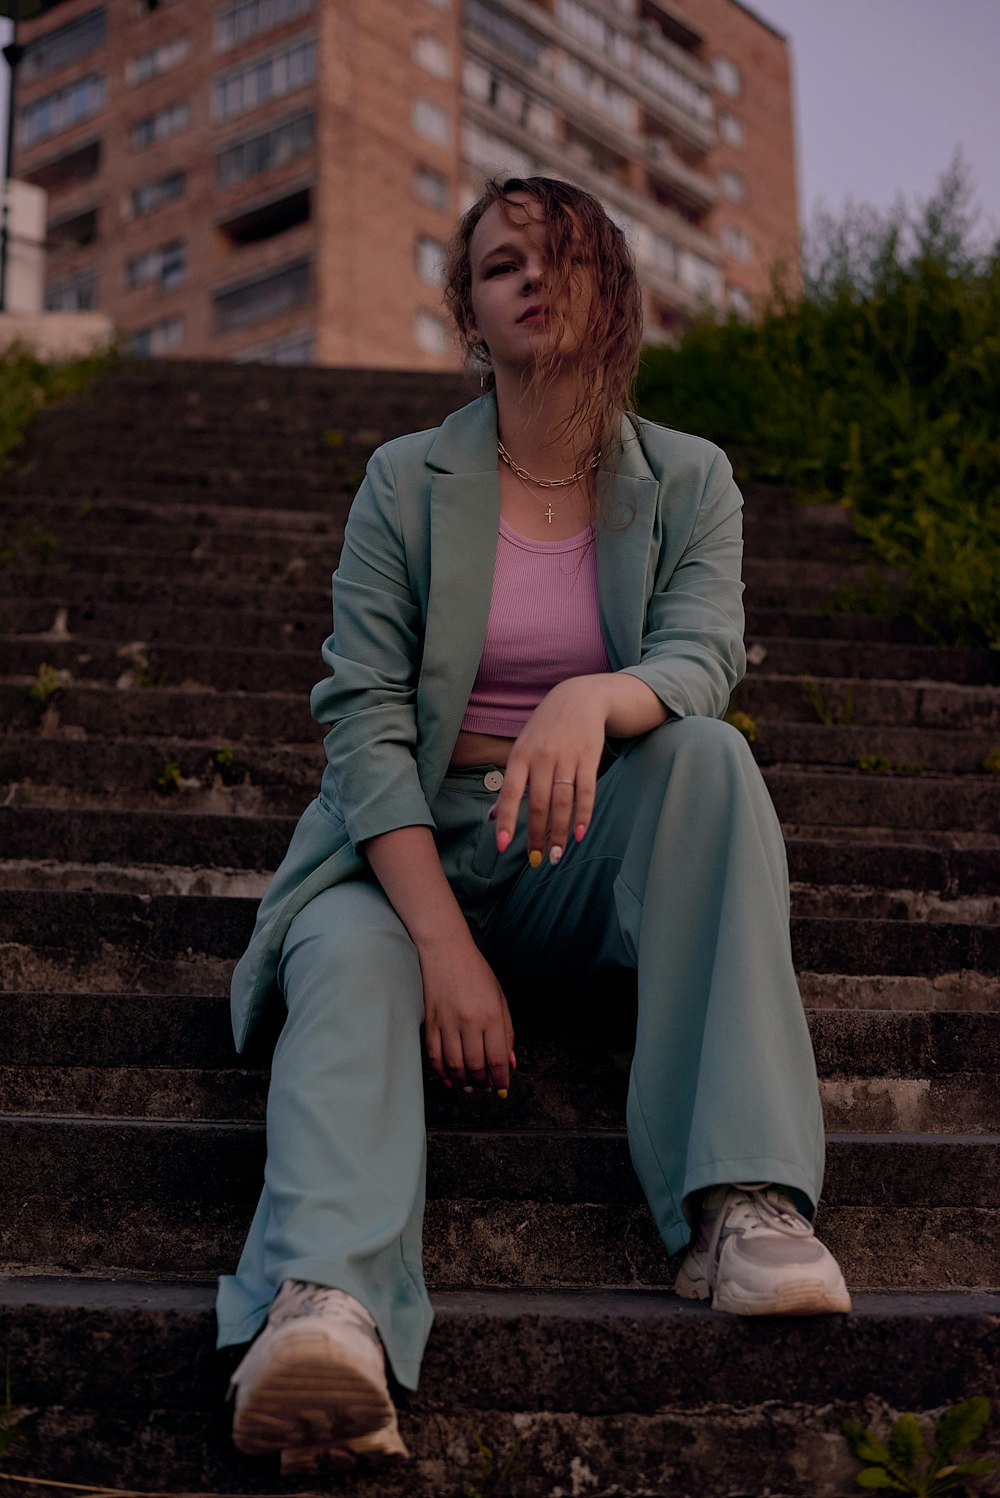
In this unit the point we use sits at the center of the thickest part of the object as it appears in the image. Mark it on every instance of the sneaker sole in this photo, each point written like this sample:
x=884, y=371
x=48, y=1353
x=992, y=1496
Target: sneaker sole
x=379, y=1446
x=795, y=1298
x=312, y=1394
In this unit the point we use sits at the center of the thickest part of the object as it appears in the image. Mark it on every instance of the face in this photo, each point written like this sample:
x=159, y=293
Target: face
x=511, y=305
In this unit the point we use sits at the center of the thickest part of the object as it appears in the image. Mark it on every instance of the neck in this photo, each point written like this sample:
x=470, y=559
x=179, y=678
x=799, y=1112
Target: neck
x=533, y=430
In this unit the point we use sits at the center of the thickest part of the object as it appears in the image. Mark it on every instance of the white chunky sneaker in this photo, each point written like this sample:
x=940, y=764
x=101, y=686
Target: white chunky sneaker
x=755, y=1254
x=313, y=1385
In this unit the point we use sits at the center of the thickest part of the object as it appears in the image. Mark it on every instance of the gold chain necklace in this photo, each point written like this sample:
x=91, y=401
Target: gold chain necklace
x=527, y=477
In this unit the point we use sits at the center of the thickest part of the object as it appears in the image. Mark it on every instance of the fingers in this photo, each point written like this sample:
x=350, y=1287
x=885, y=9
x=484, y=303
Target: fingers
x=508, y=803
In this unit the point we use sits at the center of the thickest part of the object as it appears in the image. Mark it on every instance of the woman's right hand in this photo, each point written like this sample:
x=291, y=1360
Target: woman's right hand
x=467, y=1027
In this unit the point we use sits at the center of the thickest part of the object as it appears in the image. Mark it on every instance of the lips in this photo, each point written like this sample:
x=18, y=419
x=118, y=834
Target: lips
x=535, y=311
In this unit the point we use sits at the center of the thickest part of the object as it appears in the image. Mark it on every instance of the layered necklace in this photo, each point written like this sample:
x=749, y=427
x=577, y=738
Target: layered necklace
x=529, y=478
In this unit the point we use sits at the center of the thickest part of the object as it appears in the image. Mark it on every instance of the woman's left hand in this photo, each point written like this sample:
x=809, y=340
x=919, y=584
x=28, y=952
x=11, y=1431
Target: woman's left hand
x=555, y=758
x=557, y=755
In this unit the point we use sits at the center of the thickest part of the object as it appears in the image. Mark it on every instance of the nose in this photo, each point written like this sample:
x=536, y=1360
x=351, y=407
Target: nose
x=533, y=272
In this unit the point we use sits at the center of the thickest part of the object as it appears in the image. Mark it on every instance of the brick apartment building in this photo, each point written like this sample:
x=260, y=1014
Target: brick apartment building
x=276, y=179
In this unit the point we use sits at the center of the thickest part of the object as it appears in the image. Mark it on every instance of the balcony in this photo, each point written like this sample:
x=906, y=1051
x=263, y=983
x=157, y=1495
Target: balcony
x=698, y=132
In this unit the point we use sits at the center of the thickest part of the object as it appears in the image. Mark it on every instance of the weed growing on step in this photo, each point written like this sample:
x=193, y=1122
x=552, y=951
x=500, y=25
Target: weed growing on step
x=879, y=764
x=169, y=778
x=746, y=724
x=224, y=761
x=824, y=712
x=48, y=681
x=906, y=1466
x=991, y=764
x=494, y=1480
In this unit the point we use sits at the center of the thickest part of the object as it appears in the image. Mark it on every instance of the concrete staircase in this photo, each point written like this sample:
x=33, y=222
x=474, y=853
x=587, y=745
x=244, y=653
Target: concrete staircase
x=198, y=510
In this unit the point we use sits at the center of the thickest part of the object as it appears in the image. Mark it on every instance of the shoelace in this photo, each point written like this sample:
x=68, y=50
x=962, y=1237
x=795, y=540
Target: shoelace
x=298, y=1298
x=754, y=1208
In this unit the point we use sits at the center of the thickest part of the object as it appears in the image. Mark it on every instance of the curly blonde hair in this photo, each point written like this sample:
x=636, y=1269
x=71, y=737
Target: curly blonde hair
x=608, y=355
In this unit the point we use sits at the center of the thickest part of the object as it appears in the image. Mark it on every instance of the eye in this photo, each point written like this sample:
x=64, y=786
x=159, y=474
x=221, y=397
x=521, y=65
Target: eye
x=496, y=270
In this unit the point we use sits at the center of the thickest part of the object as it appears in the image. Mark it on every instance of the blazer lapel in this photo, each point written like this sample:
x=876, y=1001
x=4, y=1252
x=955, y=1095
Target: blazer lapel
x=464, y=522
x=627, y=547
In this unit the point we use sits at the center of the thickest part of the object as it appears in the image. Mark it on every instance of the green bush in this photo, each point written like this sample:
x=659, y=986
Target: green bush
x=878, y=389
x=27, y=383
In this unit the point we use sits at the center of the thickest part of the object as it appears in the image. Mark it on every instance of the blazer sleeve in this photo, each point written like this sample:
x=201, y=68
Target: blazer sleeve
x=693, y=653
x=374, y=654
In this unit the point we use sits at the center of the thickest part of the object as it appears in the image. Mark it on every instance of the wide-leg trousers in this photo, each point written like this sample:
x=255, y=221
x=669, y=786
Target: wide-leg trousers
x=682, y=876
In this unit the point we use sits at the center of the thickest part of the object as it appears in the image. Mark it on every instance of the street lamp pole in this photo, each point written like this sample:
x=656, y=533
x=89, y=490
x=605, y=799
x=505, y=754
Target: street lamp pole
x=12, y=10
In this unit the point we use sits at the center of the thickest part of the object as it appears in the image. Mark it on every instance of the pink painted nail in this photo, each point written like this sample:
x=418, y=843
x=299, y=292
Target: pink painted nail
x=513, y=1062
x=503, y=840
x=446, y=1083
x=580, y=830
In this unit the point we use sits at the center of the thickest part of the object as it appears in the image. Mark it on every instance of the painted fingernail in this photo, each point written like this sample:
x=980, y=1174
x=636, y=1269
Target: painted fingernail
x=503, y=840
x=555, y=854
x=513, y=1062
x=468, y=1089
x=446, y=1083
x=501, y=1092
x=535, y=857
x=580, y=830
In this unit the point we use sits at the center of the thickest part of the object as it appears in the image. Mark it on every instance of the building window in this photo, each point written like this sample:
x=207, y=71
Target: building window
x=431, y=188
x=264, y=78
x=432, y=55
x=730, y=129
x=157, y=60
x=430, y=260
x=492, y=155
x=733, y=185
x=153, y=195
x=72, y=232
x=295, y=348
x=74, y=294
x=163, y=123
x=728, y=79
x=146, y=7
x=269, y=296
x=505, y=32
x=167, y=264
x=691, y=97
x=239, y=23
x=598, y=92
x=739, y=301
x=699, y=275
x=158, y=338
x=431, y=122
x=596, y=34
x=261, y=153
x=63, y=108
x=431, y=334
x=57, y=49
x=736, y=243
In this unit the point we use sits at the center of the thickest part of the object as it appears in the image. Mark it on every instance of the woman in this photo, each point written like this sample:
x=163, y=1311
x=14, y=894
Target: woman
x=538, y=625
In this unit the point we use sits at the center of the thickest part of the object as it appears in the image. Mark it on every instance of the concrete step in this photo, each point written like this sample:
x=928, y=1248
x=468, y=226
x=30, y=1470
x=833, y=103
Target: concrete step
x=116, y=1056
x=95, y=708
x=835, y=874
x=505, y=1207
x=77, y=606
x=77, y=931
x=677, y=1409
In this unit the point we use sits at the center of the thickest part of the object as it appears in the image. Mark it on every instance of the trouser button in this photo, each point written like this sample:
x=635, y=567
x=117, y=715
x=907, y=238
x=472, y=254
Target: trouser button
x=493, y=780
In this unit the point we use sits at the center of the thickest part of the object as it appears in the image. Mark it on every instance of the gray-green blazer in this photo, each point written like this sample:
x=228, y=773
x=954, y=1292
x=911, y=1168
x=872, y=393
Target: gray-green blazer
x=411, y=600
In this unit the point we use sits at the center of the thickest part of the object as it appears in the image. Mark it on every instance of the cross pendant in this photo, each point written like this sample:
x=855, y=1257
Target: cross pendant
x=549, y=513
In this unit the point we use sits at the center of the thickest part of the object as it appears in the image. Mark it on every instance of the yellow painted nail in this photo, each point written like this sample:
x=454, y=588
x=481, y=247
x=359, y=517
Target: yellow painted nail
x=535, y=857
x=501, y=1092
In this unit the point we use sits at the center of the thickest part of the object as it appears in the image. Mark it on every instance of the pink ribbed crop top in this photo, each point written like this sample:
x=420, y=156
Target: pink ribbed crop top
x=544, y=626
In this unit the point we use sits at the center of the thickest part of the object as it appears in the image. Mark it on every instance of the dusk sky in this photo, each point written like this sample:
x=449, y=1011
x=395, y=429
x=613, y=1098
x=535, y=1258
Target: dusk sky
x=885, y=92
